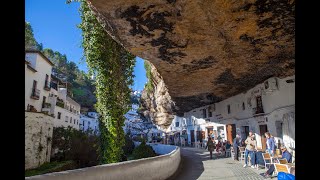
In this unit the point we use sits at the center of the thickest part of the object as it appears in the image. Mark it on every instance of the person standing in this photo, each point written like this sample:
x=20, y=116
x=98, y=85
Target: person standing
x=250, y=146
x=210, y=146
x=271, y=143
x=253, y=155
x=236, y=144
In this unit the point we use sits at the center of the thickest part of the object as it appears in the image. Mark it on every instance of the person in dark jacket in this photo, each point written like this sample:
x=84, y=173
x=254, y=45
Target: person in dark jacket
x=286, y=155
x=210, y=146
x=236, y=144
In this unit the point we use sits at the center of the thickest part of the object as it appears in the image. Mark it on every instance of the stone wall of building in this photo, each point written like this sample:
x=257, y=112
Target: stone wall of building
x=38, y=139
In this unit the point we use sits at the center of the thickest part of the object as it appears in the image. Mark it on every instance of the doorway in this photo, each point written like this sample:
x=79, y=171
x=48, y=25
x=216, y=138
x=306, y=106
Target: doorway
x=210, y=130
x=244, y=132
x=263, y=129
x=192, y=136
x=231, y=132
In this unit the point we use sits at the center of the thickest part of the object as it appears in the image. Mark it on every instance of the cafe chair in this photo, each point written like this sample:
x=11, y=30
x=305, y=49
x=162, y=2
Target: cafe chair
x=267, y=160
x=281, y=168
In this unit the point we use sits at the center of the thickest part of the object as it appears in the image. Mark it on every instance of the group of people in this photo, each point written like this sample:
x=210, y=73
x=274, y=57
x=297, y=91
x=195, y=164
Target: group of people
x=220, y=147
x=251, y=149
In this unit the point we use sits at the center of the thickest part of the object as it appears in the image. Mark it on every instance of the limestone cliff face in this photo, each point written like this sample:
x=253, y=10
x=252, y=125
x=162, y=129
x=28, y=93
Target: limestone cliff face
x=205, y=51
x=156, y=104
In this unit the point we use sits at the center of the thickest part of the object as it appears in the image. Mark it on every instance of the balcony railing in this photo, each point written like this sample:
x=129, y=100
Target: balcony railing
x=46, y=105
x=35, y=94
x=46, y=86
x=60, y=103
x=257, y=111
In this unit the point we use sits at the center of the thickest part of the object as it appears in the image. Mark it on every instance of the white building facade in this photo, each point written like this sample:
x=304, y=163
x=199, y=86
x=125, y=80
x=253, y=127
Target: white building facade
x=66, y=111
x=268, y=107
x=38, y=122
x=47, y=93
x=37, y=81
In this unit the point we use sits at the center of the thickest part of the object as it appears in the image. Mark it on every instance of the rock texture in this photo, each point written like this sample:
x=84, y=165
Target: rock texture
x=206, y=50
x=156, y=104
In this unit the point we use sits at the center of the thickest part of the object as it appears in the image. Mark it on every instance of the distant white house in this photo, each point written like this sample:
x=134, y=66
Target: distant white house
x=137, y=127
x=89, y=122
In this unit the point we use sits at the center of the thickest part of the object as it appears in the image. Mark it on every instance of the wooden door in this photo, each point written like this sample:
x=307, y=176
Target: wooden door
x=231, y=132
x=192, y=135
x=263, y=129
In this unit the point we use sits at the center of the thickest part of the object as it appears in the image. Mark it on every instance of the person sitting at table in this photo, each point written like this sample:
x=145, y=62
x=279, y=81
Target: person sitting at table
x=227, y=146
x=286, y=155
x=218, y=147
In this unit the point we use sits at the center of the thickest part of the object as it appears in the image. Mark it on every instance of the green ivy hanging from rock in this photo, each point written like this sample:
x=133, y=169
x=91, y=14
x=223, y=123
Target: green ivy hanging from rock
x=113, y=67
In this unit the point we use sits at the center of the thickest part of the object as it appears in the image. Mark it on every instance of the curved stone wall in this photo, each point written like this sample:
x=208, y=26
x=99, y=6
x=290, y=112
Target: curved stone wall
x=160, y=167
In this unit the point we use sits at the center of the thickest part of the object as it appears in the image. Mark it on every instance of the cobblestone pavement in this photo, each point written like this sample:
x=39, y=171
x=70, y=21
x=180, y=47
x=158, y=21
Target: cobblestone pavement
x=196, y=164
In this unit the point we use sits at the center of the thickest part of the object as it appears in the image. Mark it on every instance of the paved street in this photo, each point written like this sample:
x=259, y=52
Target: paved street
x=196, y=164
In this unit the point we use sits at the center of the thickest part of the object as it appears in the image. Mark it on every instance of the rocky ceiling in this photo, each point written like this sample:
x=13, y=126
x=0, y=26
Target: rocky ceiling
x=205, y=50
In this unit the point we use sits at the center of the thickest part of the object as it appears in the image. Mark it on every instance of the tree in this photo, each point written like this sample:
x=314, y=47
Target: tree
x=29, y=40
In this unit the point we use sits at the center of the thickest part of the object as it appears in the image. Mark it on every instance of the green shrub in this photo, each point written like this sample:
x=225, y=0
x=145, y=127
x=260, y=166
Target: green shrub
x=81, y=147
x=143, y=151
x=128, y=146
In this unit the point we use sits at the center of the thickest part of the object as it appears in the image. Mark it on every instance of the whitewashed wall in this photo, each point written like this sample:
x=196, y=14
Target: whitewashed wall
x=278, y=105
x=42, y=67
x=38, y=132
x=65, y=122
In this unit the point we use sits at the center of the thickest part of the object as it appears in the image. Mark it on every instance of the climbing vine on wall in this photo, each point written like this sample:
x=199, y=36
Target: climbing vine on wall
x=113, y=67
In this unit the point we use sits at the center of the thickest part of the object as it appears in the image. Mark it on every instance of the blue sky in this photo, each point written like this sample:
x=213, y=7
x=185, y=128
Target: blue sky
x=54, y=24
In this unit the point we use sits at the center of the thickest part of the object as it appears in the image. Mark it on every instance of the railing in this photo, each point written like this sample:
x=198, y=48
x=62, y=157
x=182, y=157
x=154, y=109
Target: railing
x=35, y=93
x=54, y=86
x=46, y=105
x=257, y=111
x=60, y=103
